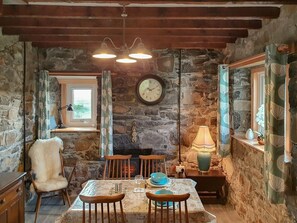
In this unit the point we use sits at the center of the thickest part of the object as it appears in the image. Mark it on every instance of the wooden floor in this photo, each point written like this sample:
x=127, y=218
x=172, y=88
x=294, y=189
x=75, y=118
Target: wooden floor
x=50, y=209
x=224, y=213
x=53, y=207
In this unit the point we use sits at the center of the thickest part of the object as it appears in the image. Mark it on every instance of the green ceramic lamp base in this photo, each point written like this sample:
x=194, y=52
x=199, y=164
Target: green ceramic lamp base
x=203, y=159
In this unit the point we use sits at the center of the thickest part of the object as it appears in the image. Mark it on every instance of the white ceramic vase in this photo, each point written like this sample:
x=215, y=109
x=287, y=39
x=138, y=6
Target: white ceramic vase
x=249, y=134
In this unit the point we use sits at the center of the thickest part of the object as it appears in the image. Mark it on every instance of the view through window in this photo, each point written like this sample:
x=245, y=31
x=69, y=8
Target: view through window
x=82, y=103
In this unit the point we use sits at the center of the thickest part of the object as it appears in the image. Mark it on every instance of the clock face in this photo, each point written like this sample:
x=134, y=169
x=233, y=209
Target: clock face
x=150, y=89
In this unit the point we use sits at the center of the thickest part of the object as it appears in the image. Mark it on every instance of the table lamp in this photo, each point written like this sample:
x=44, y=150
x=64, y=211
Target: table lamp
x=68, y=108
x=204, y=145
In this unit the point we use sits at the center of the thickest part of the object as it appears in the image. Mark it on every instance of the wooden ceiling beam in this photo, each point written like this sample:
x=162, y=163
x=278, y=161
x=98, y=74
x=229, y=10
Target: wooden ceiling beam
x=117, y=32
x=130, y=23
x=129, y=39
x=198, y=2
x=158, y=45
x=42, y=11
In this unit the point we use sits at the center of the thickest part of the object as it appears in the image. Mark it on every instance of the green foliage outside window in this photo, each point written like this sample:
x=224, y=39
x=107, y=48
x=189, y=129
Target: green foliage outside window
x=81, y=111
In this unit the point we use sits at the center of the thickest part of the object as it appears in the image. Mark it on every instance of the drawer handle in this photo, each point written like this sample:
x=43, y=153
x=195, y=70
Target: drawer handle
x=2, y=201
x=18, y=190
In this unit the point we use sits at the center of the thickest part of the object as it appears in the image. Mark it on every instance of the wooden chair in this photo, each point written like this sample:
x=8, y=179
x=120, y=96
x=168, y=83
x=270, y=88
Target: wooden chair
x=47, y=169
x=103, y=200
x=117, y=167
x=167, y=214
x=152, y=163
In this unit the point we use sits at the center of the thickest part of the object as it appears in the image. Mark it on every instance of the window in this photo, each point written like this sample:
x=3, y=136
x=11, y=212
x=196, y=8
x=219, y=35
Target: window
x=258, y=99
x=83, y=100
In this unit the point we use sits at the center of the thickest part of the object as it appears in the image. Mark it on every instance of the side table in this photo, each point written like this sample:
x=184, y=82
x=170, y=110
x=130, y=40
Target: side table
x=211, y=186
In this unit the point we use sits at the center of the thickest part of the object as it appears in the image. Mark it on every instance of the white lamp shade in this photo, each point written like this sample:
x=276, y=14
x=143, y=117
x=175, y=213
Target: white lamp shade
x=140, y=52
x=203, y=141
x=104, y=52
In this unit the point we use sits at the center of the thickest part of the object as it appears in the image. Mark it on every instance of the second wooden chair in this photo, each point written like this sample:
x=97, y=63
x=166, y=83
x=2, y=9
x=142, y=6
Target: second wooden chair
x=105, y=213
x=152, y=163
x=167, y=210
x=117, y=167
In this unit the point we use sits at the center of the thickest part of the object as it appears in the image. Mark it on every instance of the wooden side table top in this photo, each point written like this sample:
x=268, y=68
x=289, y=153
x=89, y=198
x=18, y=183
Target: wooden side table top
x=211, y=173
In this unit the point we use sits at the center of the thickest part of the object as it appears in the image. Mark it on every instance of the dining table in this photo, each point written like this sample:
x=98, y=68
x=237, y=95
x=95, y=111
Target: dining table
x=135, y=204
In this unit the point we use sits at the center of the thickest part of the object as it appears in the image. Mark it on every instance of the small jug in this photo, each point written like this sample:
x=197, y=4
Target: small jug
x=249, y=134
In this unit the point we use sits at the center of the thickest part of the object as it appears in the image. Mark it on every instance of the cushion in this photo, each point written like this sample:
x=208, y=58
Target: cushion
x=52, y=184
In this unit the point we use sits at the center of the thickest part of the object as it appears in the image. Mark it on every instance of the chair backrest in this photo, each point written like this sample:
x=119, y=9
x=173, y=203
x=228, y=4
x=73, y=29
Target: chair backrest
x=105, y=212
x=152, y=163
x=117, y=167
x=167, y=211
x=46, y=162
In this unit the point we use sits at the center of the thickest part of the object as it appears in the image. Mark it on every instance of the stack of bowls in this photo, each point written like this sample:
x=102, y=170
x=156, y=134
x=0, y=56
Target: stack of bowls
x=159, y=178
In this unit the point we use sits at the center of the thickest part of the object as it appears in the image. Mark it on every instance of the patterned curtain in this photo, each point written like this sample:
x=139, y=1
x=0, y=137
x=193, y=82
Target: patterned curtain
x=43, y=105
x=223, y=115
x=275, y=78
x=106, y=137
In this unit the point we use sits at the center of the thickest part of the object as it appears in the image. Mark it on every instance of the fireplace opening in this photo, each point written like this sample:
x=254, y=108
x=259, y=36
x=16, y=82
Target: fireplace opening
x=135, y=163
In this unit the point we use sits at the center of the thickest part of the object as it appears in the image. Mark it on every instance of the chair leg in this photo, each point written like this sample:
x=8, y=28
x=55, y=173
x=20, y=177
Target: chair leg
x=38, y=203
x=67, y=196
x=63, y=196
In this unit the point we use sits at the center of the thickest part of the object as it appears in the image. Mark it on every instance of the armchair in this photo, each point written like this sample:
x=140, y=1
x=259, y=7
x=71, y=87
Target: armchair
x=47, y=169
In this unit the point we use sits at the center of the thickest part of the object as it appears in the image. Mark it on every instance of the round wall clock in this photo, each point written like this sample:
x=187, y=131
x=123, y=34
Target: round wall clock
x=150, y=89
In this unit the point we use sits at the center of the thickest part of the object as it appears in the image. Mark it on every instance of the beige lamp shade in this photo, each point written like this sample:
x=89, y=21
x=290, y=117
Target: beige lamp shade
x=203, y=141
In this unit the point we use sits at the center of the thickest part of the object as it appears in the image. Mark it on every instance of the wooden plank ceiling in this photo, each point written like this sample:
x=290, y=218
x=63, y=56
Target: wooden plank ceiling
x=161, y=24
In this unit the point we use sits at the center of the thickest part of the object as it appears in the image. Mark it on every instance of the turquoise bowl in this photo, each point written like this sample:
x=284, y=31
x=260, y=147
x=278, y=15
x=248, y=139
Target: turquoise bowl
x=159, y=178
x=164, y=191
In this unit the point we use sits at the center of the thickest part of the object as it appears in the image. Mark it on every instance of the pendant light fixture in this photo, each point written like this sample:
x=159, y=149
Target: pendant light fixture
x=127, y=54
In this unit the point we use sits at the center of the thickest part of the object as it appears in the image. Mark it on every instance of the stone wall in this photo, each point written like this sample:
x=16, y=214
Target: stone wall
x=156, y=126
x=81, y=151
x=280, y=30
x=11, y=106
x=12, y=80
x=240, y=99
x=246, y=189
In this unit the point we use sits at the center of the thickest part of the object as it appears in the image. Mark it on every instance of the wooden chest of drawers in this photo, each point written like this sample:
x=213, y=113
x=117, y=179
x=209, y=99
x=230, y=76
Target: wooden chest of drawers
x=12, y=197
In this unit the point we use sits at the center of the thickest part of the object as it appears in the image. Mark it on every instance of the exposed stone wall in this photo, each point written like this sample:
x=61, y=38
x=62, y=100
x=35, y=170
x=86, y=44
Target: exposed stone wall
x=246, y=190
x=12, y=99
x=240, y=99
x=156, y=126
x=81, y=151
x=11, y=109
x=280, y=30
x=30, y=100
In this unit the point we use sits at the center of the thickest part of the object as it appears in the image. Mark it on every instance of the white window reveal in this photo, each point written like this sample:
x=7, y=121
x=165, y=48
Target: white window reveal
x=258, y=99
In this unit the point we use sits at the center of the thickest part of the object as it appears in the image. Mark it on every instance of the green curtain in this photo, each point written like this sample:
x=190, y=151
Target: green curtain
x=106, y=137
x=275, y=78
x=43, y=105
x=223, y=115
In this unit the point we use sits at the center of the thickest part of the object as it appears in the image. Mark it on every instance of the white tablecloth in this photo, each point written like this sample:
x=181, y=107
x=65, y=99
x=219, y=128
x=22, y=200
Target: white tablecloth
x=136, y=204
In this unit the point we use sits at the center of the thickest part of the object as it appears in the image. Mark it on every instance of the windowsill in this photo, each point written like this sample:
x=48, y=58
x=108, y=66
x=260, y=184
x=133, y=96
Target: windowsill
x=75, y=130
x=251, y=143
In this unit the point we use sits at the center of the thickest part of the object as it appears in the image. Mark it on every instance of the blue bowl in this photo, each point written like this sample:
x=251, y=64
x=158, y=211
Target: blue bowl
x=164, y=204
x=159, y=178
x=162, y=182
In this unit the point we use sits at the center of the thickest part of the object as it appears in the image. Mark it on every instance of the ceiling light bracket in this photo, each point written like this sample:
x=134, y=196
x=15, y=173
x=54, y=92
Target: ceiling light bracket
x=139, y=52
